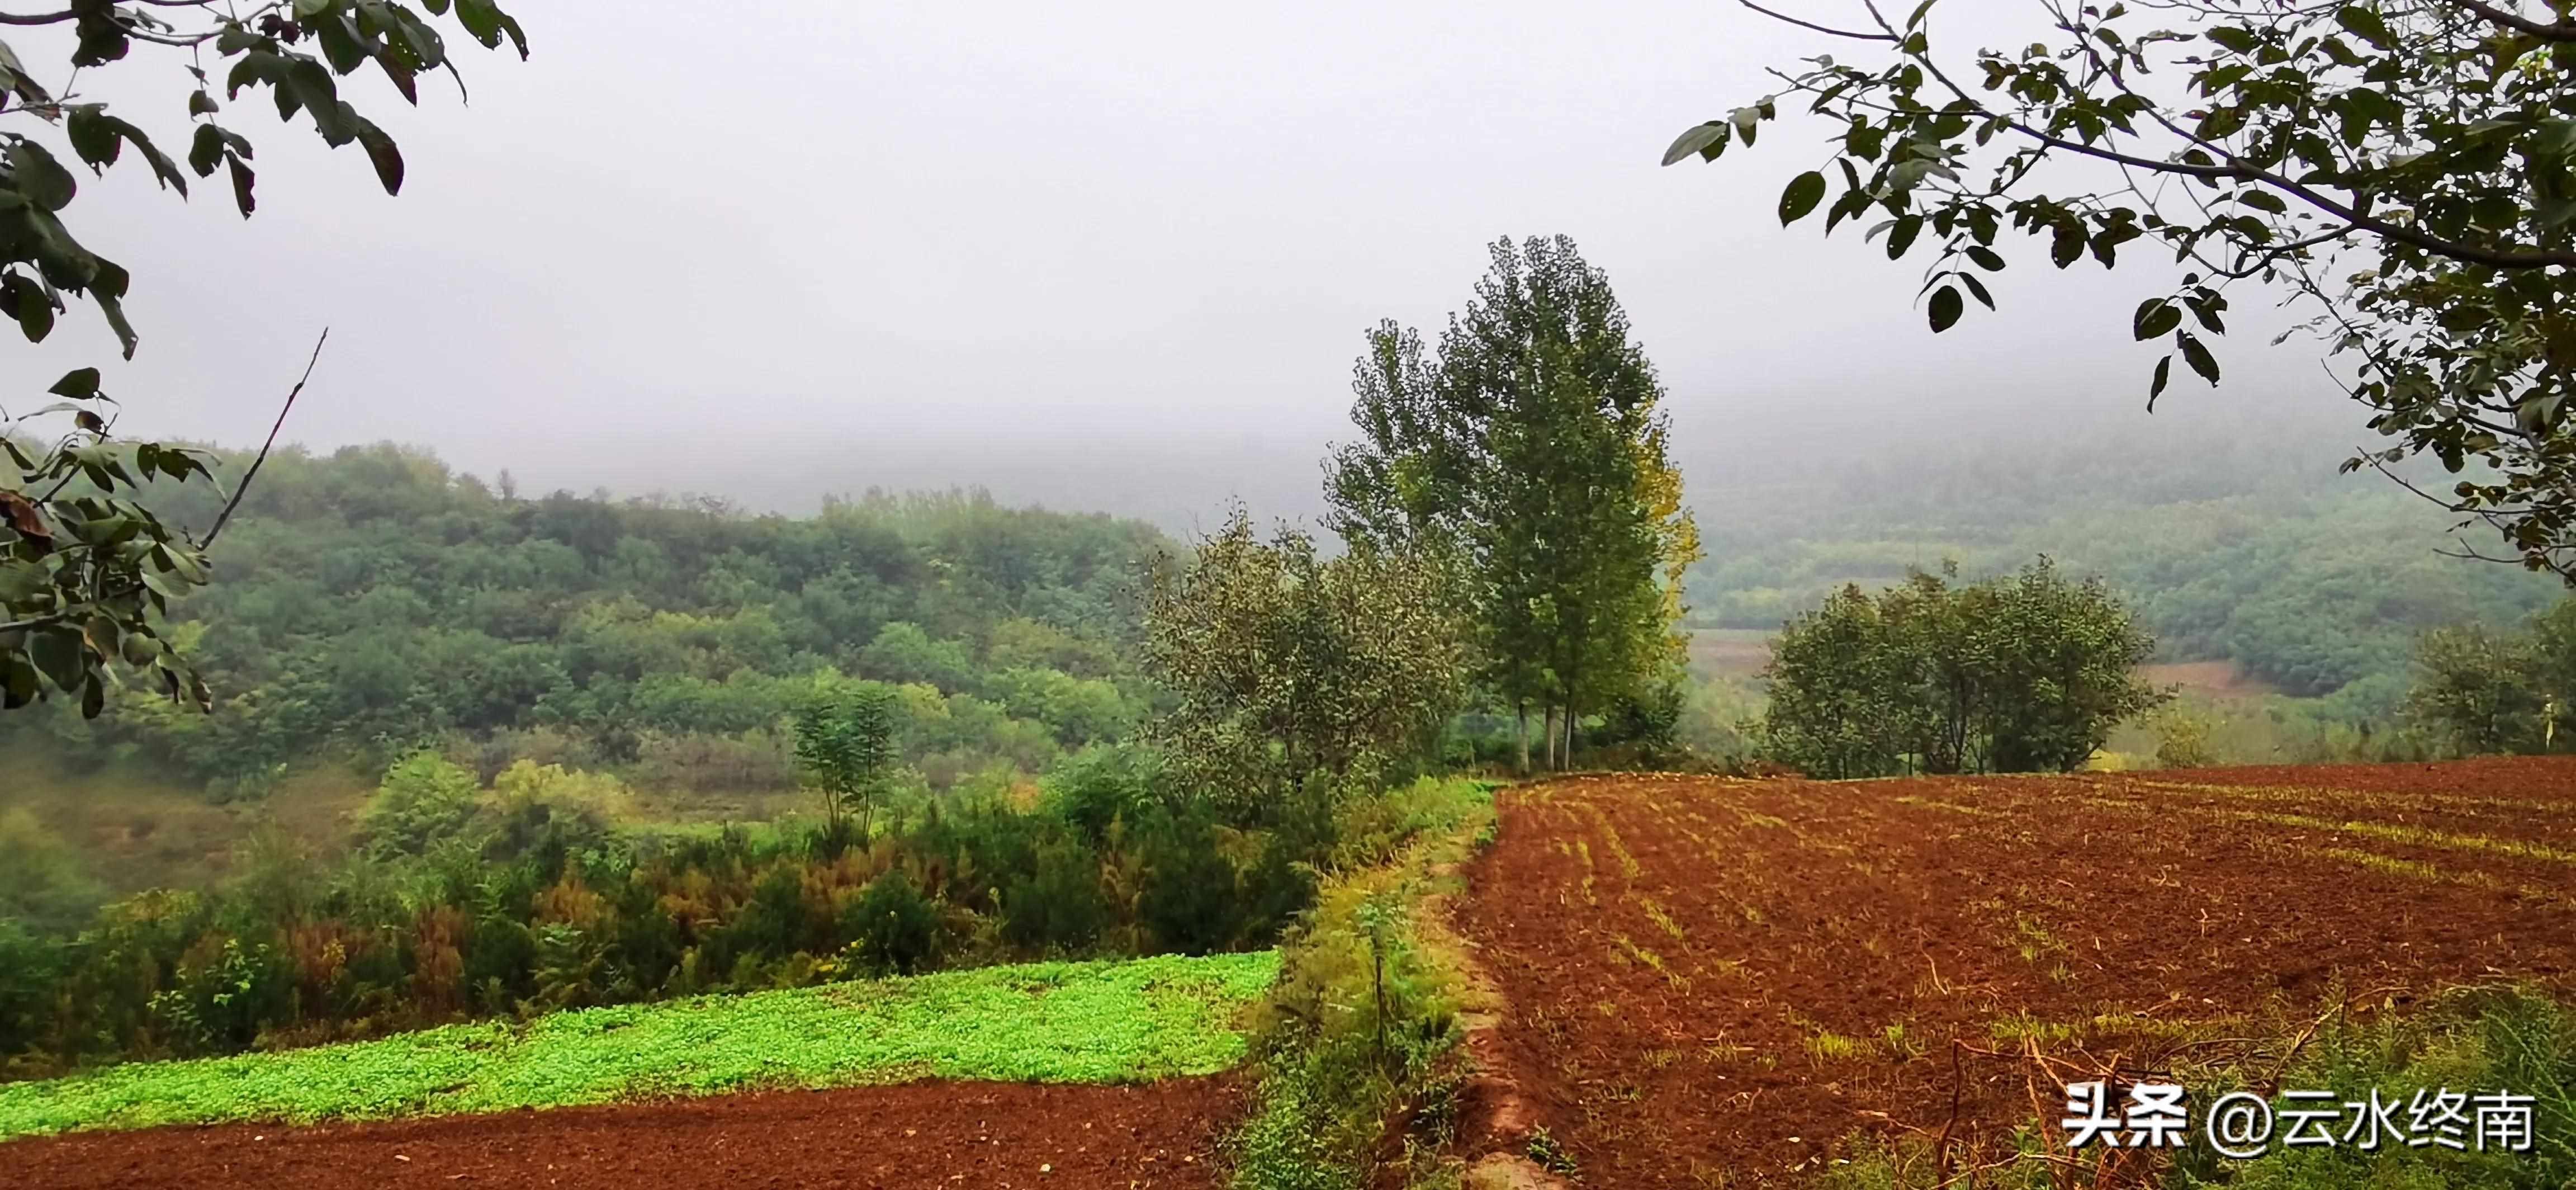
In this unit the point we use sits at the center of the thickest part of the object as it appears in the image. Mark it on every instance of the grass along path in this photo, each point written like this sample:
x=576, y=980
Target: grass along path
x=1098, y=1022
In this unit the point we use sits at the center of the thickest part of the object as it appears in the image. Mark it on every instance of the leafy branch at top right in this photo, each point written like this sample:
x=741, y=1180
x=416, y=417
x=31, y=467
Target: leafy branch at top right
x=2403, y=167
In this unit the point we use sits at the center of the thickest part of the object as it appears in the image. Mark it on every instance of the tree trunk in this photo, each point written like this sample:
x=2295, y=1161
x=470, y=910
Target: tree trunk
x=1571, y=673
x=1548, y=729
x=1520, y=708
x=1570, y=720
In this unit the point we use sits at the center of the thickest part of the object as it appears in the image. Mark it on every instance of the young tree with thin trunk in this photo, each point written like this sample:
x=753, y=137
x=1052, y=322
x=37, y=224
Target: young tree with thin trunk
x=845, y=746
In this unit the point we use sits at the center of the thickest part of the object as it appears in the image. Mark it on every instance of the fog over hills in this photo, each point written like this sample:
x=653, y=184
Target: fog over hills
x=1771, y=464
x=1115, y=259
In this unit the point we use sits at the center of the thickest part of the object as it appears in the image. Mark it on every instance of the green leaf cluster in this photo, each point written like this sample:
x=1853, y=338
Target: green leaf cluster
x=1283, y=665
x=87, y=565
x=1529, y=460
x=2402, y=170
x=2018, y=674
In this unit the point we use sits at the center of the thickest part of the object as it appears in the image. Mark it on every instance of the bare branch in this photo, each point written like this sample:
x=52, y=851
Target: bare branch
x=256, y=463
x=2236, y=170
x=243, y=489
x=2468, y=552
x=2558, y=32
x=1827, y=29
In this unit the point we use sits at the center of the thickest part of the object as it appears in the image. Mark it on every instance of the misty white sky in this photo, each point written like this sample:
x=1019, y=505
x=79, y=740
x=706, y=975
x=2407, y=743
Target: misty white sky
x=1112, y=255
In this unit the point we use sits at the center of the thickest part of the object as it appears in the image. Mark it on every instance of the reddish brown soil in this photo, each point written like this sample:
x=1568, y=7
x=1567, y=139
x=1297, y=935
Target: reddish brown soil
x=1744, y=979
x=915, y=1135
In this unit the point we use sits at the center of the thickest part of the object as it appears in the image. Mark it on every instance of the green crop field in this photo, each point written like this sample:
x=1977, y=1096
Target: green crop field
x=1098, y=1022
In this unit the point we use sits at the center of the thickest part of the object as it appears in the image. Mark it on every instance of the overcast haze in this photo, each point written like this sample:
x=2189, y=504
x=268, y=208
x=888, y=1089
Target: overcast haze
x=1115, y=256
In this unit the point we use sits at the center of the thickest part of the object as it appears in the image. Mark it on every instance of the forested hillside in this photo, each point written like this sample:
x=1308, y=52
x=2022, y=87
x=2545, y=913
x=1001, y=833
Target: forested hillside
x=372, y=601
x=2228, y=546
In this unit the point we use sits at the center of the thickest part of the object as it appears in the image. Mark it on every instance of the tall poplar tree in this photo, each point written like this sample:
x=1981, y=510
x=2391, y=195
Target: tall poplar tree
x=1532, y=449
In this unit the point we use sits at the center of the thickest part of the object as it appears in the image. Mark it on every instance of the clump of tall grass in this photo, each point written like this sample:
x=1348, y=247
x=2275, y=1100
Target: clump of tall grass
x=2471, y=1041
x=1361, y=1027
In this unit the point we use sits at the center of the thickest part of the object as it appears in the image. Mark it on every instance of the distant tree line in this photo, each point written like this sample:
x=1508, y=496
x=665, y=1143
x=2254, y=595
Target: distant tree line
x=2395, y=168
x=2311, y=583
x=2485, y=690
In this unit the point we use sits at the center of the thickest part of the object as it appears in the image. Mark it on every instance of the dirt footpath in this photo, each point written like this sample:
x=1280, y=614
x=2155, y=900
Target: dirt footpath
x=918, y=1135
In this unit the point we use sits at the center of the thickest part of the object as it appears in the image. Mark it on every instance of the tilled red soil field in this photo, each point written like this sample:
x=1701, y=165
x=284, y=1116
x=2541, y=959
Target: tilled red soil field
x=1716, y=982
x=917, y=1135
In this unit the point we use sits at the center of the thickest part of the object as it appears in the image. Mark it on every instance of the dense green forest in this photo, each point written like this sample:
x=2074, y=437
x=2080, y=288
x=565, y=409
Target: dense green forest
x=373, y=601
x=2313, y=582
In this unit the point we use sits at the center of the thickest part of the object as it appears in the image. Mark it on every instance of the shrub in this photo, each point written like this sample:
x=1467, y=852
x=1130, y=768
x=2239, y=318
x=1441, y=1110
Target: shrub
x=1275, y=890
x=702, y=763
x=2484, y=691
x=2019, y=673
x=1101, y=785
x=1058, y=906
x=223, y=994
x=42, y=879
x=772, y=922
x=500, y=957
x=2182, y=739
x=549, y=904
x=893, y=926
x=31, y=972
x=1370, y=830
x=1192, y=901
x=423, y=799
x=1648, y=719
x=567, y=967
x=549, y=813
